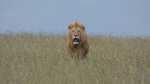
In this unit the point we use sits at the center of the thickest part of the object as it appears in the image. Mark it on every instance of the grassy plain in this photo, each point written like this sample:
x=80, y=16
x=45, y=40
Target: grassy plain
x=42, y=59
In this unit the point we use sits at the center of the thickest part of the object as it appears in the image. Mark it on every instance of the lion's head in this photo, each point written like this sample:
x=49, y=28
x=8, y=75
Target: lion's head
x=76, y=35
x=76, y=31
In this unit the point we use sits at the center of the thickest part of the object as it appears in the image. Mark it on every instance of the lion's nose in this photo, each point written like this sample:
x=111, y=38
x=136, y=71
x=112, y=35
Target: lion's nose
x=75, y=35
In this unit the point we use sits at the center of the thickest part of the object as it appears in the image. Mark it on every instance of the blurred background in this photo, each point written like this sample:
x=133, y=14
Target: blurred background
x=117, y=17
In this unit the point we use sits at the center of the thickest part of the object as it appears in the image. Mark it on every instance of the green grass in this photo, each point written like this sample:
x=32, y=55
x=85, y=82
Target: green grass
x=42, y=59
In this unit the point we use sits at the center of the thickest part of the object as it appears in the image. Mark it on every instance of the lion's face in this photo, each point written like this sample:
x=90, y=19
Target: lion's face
x=76, y=35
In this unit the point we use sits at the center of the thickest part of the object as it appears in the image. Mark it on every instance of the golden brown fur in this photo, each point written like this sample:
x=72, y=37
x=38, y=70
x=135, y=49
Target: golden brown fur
x=77, y=31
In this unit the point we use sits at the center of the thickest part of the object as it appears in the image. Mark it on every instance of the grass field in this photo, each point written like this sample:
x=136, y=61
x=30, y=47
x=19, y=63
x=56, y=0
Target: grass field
x=42, y=59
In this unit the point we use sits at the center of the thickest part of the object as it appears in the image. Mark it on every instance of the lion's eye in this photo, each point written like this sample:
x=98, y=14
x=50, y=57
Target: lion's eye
x=72, y=30
x=78, y=31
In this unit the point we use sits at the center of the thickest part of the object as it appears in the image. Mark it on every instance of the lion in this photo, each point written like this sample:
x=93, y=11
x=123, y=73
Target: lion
x=77, y=44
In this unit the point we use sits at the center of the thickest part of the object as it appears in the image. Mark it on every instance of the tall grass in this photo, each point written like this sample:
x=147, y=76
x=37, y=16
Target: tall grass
x=42, y=59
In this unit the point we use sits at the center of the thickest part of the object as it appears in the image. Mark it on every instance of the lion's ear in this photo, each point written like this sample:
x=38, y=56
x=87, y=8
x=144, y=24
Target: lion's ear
x=83, y=28
x=70, y=26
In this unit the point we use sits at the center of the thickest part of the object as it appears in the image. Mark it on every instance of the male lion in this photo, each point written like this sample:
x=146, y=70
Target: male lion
x=77, y=44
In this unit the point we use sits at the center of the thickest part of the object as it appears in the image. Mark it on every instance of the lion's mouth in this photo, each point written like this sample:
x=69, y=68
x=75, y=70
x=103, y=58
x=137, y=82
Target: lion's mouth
x=76, y=41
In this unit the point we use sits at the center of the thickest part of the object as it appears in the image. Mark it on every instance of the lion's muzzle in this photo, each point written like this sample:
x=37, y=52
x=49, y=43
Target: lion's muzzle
x=76, y=40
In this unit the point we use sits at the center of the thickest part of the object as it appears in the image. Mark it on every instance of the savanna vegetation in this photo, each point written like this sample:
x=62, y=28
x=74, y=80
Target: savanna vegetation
x=42, y=59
